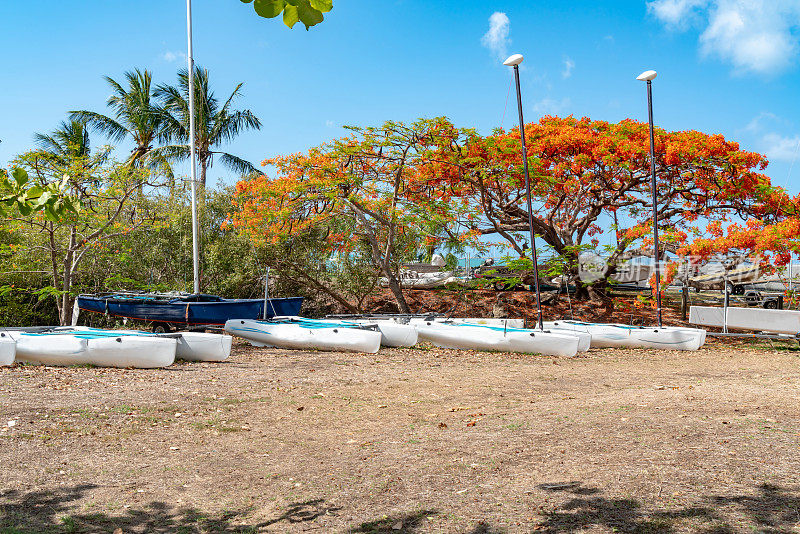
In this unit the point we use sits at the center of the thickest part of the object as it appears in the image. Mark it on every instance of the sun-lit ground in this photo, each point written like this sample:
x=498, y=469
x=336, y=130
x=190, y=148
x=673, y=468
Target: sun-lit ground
x=407, y=441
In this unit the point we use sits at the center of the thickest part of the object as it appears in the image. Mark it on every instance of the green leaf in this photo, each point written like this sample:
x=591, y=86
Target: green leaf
x=322, y=5
x=246, y=1
x=24, y=208
x=34, y=192
x=50, y=213
x=269, y=8
x=20, y=176
x=290, y=15
x=308, y=15
x=43, y=199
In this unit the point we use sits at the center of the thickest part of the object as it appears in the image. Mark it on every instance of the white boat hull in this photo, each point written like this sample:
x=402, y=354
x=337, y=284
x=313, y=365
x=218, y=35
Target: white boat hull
x=8, y=350
x=487, y=321
x=623, y=336
x=482, y=337
x=584, y=338
x=392, y=334
x=85, y=348
x=203, y=347
x=192, y=346
x=299, y=337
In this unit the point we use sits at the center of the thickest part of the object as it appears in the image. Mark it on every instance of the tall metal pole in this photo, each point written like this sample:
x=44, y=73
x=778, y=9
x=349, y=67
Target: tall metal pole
x=655, y=199
x=192, y=155
x=528, y=199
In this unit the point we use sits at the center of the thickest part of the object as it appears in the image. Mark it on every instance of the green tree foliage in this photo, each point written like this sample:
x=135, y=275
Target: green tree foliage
x=309, y=12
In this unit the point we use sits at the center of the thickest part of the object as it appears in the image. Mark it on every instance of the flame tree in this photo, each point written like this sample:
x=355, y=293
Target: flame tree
x=590, y=177
x=360, y=195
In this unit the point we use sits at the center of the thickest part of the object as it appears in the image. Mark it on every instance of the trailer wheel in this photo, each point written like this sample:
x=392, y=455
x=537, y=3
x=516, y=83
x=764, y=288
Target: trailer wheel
x=752, y=298
x=771, y=304
x=738, y=289
x=499, y=286
x=162, y=328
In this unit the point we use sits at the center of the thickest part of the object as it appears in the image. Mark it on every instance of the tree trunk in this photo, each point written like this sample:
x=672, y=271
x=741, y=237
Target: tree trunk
x=382, y=261
x=66, y=284
x=203, y=172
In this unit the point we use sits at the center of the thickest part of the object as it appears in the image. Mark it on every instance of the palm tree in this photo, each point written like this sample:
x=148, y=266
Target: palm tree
x=68, y=142
x=136, y=116
x=215, y=124
x=67, y=148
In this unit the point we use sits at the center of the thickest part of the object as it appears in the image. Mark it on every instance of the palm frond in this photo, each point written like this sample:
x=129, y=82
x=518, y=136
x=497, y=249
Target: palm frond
x=236, y=164
x=105, y=125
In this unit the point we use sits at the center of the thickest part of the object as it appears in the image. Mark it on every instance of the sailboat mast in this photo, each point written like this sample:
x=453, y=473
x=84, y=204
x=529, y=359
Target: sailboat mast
x=192, y=153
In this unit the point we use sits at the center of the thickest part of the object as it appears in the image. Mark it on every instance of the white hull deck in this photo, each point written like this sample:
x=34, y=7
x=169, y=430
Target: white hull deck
x=304, y=334
x=483, y=337
x=8, y=350
x=87, y=348
x=624, y=336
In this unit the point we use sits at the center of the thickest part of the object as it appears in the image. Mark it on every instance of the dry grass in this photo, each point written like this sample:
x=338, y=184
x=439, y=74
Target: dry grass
x=408, y=441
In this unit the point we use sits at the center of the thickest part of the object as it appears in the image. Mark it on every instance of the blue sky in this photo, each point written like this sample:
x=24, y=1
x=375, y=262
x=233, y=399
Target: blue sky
x=725, y=66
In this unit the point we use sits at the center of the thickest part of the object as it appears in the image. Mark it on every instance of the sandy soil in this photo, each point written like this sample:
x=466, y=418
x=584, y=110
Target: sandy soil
x=407, y=441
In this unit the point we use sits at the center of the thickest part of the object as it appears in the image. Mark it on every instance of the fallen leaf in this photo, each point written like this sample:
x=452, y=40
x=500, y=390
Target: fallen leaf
x=442, y=425
x=471, y=423
x=301, y=408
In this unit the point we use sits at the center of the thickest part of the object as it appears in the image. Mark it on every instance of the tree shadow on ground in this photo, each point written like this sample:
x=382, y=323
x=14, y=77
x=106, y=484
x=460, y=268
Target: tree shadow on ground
x=404, y=523
x=773, y=509
x=53, y=511
x=770, y=509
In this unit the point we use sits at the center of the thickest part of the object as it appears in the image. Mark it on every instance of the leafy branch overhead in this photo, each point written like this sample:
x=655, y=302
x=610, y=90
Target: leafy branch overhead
x=16, y=193
x=309, y=12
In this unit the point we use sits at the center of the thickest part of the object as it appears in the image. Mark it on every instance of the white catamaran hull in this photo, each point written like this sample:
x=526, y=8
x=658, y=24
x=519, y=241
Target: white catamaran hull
x=298, y=336
x=86, y=349
x=8, y=350
x=392, y=334
x=488, y=321
x=482, y=337
x=623, y=336
x=192, y=346
x=203, y=347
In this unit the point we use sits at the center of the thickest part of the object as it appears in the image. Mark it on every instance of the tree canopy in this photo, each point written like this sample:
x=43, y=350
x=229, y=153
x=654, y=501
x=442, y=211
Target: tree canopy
x=593, y=176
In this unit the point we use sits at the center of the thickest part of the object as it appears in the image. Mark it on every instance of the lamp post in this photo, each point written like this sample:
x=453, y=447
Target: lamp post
x=514, y=61
x=648, y=76
x=192, y=152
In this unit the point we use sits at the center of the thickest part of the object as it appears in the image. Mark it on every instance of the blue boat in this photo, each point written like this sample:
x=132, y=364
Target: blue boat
x=185, y=310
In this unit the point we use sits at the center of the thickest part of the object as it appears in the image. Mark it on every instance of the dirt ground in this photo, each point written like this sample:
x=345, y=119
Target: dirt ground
x=408, y=441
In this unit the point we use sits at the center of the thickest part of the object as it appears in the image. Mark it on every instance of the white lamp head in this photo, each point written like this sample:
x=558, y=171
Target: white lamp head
x=646, y=76
x=513, y=61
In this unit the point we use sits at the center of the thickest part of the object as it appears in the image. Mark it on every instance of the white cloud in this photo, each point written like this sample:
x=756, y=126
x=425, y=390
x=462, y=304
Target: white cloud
x=778, y=147
x=496, y=39
x=759, y=36
x=329, y=124
x=550, y=106
x=757, y=124
x=170, y=56
x=569, y=65
x=675, y=13
x=769, y=134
